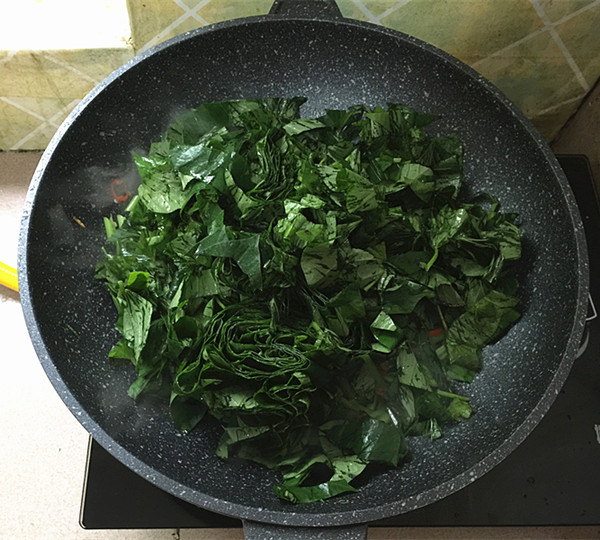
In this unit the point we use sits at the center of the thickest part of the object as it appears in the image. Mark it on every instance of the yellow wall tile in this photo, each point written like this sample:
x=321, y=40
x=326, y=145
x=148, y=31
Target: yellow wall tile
x=94, y=63
x=468, y=29
x=581, y=37
x=30, y=123
x=68, y=74
x=534, y=75
x=149, y=19
x=33, y=73
x=558, y=9
x=506, y=40
x=39, y=88
x=14, y=124
x=37, y=138
x=549, y=123
x=366, y=9
x=51, y=110
x=154, y=21
x=223, y=10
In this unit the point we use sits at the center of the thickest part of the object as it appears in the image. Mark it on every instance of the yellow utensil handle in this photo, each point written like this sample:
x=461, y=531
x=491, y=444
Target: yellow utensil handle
x=8, y=277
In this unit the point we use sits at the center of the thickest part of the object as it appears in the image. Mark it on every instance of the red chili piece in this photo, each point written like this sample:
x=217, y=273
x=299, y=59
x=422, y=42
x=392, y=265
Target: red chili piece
x=436, y=332
x=123, y=196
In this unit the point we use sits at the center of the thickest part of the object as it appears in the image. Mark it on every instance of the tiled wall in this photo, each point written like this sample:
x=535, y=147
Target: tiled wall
x=544, y=54
x=39, y=88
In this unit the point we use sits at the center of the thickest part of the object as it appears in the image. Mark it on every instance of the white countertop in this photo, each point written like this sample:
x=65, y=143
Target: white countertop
x=43, y=450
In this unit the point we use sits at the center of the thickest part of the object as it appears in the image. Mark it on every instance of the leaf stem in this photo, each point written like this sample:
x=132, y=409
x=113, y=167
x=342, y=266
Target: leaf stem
x=432, y=260
x=447, y=394
x=443, y=321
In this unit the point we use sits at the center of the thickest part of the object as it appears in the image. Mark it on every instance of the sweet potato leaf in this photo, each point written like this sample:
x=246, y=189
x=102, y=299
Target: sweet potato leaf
x=314, y=284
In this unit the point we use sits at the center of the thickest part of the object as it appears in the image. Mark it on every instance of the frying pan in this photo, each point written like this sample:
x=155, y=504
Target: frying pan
x=302, y=48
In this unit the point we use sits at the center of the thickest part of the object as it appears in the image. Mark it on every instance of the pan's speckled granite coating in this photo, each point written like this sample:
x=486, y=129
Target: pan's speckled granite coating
x=71, y=318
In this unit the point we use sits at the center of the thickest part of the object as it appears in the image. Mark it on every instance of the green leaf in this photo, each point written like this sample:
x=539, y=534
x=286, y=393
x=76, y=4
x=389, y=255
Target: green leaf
x=403, y=297
x=460, y=409
x=244, y=250
x=446, y=224
x=186, y=413
x=411, y=372
x=319, y=264
x=482, y=323
x=349, y=303
x=161, y=190
x=419, y=178
x=384, y=322
x=122, y=351
x=138, y=281
x=447, y=295
x=316, y=286
x=308, y=494
x=135, y=320
x=380, y=442
x=110, y=226
x=301, y=125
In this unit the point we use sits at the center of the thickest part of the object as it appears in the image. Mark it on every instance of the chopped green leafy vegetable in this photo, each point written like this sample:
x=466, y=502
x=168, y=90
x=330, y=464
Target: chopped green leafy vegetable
x=314, y=284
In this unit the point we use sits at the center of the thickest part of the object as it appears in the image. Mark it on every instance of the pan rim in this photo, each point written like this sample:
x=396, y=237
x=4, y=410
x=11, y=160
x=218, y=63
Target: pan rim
x=296, y=517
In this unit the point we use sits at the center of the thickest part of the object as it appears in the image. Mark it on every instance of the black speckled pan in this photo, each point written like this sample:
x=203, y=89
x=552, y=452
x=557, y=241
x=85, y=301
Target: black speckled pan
x=308, y=49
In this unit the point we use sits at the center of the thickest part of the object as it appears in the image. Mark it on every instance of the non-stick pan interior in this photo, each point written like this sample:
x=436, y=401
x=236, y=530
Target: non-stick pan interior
x=335, y=64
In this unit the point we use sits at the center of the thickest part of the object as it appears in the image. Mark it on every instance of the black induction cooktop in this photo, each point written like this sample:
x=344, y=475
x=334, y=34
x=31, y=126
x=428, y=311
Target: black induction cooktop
x=552, y=478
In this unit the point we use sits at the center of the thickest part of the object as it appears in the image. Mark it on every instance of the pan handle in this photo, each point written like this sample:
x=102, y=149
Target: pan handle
x=253, y=530
x=316, y=9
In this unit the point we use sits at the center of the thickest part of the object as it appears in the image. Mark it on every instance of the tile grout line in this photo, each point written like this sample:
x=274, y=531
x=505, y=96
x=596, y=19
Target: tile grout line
x=549, y=26
x=390, y=10
x=570, y=60
x=366, y=11
x=193, y=11
x=22, y=109
x=537, y=32
x=511, y=46
x=46, y=122
x=558, y=105
x=69, y=67
x=165, y=31
x=560, y=43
